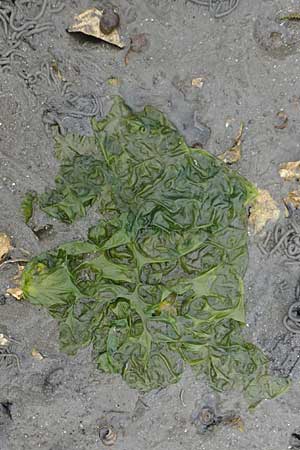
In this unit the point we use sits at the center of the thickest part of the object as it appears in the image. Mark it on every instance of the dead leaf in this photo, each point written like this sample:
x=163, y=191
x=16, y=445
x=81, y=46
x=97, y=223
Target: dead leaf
x=5, y=245
x=88, y=22
x=290, y=171
x=235, y=422
x=292, y=201
x=198, y=82
x=19, y=274
x=282, y=120
x=263, y=210
x=16, y=292
x=233, y=154
x=55, y=68
x=36, y=355
x=4, y=341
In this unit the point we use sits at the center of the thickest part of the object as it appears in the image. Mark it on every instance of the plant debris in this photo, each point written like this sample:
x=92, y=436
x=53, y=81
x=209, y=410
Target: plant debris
x=27, y=206
x=263, y=210
x=5, y=245
x=37, y=355
x=13, y=261
x=158, y=283
x=233, y=154
x=17, y=277
x=57, y=72
x=292, y=201
x=290, y=171
x=198, y=82
x=291, y=16
x=234, y=421
x=89, y=23
x=283, y=120
x=16, y=292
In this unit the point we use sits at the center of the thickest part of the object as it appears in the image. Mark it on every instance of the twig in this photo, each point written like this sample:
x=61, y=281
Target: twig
x=13, y=261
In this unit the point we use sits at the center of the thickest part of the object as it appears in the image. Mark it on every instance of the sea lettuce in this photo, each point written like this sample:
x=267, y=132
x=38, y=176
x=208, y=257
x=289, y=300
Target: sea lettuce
x=159, y=282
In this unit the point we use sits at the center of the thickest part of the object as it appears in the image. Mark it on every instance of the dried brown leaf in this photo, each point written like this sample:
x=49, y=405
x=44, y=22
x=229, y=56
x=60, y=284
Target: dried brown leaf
x=5, y=245
x=16, y=292
x=19, y=274
x=235, y=422
x=55, y=68
x=292, y=200
x=36, y=355
x=88, y=22
x=198, y=82
x=290, y=171
x=263, y=210
x=233, y=154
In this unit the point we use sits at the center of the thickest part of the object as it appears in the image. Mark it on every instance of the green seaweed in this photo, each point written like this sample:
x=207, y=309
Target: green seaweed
x=27, y=205
x=291, y=16
x=159, y=282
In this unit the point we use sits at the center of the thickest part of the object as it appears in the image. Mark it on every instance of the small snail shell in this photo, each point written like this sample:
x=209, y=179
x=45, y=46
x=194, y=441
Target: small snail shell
x=207, y=416
x=107, y=435
x=110, y=20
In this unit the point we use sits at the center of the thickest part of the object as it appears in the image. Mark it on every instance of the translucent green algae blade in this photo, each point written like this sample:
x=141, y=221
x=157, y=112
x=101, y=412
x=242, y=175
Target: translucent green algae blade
x=159, y=282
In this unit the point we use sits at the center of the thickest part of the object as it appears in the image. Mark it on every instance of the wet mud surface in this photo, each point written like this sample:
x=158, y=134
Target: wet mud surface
x=249, y=62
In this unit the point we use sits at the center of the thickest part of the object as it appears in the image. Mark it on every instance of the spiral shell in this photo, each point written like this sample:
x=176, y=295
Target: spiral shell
x=207, y=416
x=110, y=20
x=107, y=435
